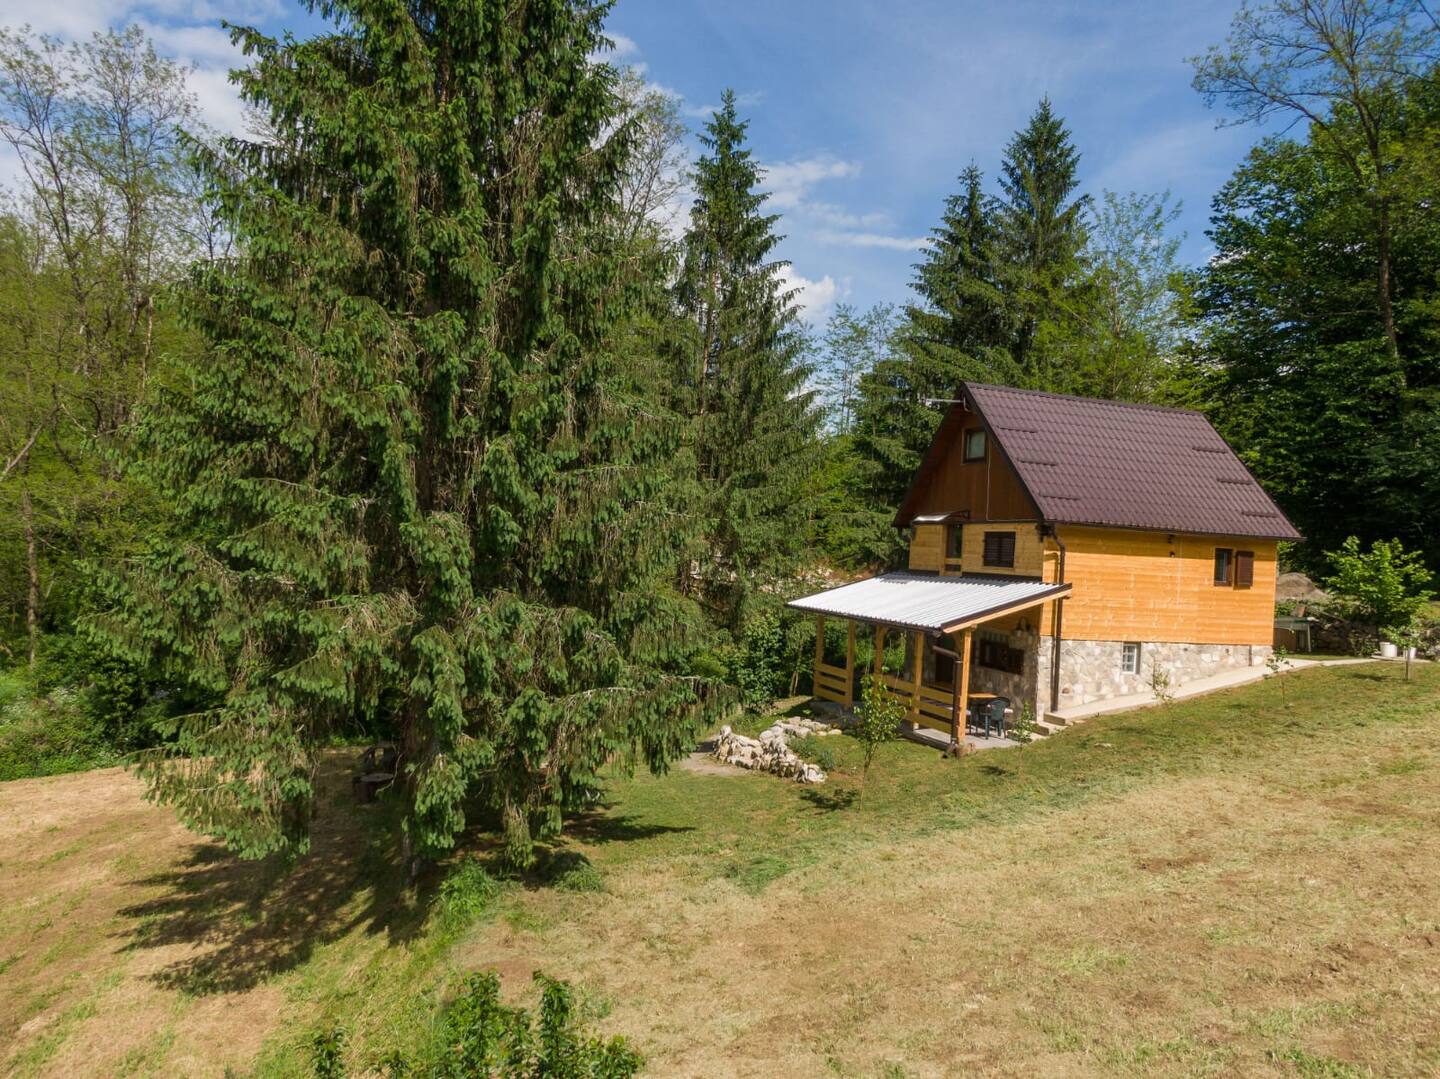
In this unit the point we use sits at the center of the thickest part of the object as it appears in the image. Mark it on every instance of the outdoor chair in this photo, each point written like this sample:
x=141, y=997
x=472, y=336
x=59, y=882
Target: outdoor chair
x=991, y=715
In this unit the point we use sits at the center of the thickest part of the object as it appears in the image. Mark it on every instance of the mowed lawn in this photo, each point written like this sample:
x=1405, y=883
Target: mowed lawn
x=1247, y=883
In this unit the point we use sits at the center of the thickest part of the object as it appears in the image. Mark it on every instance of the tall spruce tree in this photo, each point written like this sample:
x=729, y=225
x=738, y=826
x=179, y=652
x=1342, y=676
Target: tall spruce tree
x=1039, y=251
x=955, y=331
x=998, y=294
x=742, y=379
x=415, y=481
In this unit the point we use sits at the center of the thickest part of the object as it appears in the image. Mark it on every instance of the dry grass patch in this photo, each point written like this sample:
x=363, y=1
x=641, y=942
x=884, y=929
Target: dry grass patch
x=1227, y=886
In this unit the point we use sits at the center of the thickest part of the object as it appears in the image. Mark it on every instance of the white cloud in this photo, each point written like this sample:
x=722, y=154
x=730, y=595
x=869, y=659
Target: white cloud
x=188, y=31
x=621, y=47
x=789, y=182
x=871, y=239
x=816, y=299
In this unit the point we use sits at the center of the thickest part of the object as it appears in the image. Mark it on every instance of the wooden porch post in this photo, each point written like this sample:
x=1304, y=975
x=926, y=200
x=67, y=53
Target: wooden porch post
x=879, y=650
x=961, y=700
x=819, y=651
x=850, y=666
x=918, y=640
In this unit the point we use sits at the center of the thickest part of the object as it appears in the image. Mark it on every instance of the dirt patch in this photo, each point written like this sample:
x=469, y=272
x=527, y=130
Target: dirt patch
x=706, y=765
x=129, y=944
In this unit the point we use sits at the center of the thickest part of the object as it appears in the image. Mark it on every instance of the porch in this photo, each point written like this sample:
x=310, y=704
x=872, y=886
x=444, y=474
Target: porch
x=946, y=659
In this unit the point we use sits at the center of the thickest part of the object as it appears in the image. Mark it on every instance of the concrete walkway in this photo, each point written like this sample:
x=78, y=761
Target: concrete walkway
x=1240, y=676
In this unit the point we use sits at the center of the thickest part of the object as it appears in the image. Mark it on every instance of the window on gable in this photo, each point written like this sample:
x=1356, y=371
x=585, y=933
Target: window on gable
x=975, y=444
x=1224, y=565
x=954, y=540
x=1000, y=549
x=1130, y=657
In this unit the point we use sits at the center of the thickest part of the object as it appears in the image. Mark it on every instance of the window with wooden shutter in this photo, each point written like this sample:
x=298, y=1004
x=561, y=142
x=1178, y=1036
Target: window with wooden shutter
x=1000, y=549
x=1224, y=564
x=1244, y=569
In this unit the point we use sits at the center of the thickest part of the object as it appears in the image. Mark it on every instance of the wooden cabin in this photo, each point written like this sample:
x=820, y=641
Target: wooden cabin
x=1063, y=550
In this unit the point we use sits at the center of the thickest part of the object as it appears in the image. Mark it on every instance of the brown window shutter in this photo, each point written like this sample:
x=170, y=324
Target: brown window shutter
x=1244, y=569
x=1000, y=549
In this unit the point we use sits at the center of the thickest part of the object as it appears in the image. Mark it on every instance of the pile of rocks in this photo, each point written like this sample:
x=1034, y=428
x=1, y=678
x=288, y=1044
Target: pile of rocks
x=770, y=753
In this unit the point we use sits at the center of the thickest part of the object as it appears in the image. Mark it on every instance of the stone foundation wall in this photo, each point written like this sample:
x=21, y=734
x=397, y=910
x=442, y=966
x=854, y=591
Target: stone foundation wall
x=1090, y=670
x=1022, y=688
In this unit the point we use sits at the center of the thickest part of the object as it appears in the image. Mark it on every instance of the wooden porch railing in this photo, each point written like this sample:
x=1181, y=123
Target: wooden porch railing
x=833, y=683
x=925, y=706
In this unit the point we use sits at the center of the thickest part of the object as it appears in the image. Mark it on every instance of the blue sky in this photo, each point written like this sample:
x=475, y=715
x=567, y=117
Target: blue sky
x=864, y=113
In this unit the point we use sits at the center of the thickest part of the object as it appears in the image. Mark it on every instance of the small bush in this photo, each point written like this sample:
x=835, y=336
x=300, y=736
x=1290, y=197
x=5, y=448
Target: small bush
x=877, y=721
x=1386, y=586
x=583, y=878
x=466, y=894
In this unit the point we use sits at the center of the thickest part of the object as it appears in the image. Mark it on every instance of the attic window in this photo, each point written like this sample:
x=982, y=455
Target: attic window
x=975, y=444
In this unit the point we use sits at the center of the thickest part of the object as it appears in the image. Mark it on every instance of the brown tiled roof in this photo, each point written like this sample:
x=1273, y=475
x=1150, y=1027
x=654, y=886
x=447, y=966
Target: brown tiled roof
x=1120, y=465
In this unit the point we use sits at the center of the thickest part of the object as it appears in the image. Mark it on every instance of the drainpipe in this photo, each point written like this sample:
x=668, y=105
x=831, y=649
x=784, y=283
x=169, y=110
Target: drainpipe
x=1058, y=627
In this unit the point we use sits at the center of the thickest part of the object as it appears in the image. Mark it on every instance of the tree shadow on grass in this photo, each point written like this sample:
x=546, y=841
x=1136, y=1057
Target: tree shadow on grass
x=242, y=922
x=829, y=801
x=599, y=826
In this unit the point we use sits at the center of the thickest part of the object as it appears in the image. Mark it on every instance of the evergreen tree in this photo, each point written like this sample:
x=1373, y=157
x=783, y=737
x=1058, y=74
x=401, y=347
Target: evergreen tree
x=742, y=379
x=1039, y=247
x=417, y=483
x=1001, y=292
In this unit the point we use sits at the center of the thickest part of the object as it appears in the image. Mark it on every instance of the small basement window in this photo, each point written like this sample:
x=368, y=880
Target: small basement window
x=954, y=541
x=975, y=444
x=1000, y=549
x=1130, y=657
x=1224, y=565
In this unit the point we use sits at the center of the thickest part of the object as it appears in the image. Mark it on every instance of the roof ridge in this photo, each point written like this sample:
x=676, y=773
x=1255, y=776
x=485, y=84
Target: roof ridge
x=1142, y=405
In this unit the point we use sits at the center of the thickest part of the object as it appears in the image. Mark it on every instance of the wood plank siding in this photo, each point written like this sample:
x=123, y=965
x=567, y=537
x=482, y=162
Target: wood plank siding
x=988, y=489
x=1149, y=586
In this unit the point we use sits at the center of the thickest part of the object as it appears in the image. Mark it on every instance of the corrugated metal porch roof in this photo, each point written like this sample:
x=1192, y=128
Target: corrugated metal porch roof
x=924, y=601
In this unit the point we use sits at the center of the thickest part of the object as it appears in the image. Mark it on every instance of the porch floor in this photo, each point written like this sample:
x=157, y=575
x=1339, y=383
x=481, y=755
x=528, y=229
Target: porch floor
x=926, y=736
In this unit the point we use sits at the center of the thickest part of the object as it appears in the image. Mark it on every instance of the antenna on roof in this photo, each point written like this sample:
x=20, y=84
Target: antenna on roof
x=932, y=401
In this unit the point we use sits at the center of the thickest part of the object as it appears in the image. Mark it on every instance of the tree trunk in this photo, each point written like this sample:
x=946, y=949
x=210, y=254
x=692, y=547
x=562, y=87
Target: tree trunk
x=32, y=572
x=1387, y=308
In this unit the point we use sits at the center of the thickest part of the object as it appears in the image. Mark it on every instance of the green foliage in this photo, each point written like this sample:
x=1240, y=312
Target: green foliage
x=50, y=734
x=466, y=894
x=104, y=218
x=412, y=478
x=1161, y=683
x=877, y=721
x=773, y=651
x=817, y=751
x=480, y=1037
x=1024, y=728
x=328, y=1055
x=1317, y=357
x=740, y=382
x=1384, y=587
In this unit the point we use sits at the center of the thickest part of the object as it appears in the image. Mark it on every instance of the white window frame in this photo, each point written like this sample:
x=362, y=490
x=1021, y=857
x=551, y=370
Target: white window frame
x=1130, y=650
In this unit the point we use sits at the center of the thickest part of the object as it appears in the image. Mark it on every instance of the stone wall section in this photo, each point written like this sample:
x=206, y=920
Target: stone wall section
x=1090, y=670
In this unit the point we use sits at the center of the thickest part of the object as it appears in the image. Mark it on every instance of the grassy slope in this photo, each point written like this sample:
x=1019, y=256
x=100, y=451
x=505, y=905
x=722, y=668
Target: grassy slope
x=1232, y=885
